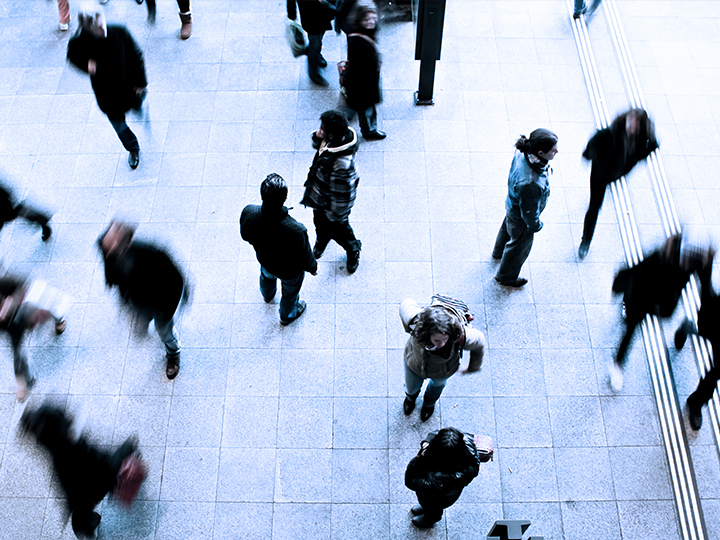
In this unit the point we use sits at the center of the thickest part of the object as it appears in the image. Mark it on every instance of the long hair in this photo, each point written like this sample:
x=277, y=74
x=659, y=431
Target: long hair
x=540, y=140
x=447, y=451
x=358, y=11
x=436, y=320
x=646, y=130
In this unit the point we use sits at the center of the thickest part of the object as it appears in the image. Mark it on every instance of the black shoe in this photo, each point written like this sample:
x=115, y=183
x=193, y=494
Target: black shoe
x=139, y=2
x=519, y=282
x=422, y=522
x=695, y=416
x=300, y=310
x=680, y=337
x=583, y=250
x=323, y=62
x=353, y=261
x=319, y=80
x=134, y=159
x=376, y=135
x=46, y=233
x=426, y=412
x=172, y=368
x=577, y=15
x=318, y=250
x=497, y=257
x=417, y=510
x=409, y=404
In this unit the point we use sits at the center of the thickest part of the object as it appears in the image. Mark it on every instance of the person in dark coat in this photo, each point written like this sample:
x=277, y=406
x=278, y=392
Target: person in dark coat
x=114, y=61
x=281, y=245
x=654, y=287
x=86, y=473
x=10, y=211
x=614, y=151
x=149, y=280
x=446, y=463
x=316, y=18
x=331, y=186
x=361, y=79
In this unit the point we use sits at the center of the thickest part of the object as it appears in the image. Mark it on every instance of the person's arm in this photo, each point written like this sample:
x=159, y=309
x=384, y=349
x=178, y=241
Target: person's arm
x=77, y=53
x=529, y=206
x=311, y=264
x=409, y=309
x=475, y=342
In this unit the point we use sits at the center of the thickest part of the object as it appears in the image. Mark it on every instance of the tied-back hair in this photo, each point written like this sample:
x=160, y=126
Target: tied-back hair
x=335, y=123
x=436, y=320
x=89, y=14
x=540, y=140
x=274, y=190
x=358, y=11
x=446, y=451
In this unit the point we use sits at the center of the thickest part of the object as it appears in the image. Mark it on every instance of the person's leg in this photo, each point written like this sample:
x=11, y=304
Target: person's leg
x=631, y=325
x=314, y=56
x=502, y=238
x=579, y=7
x=433, y=391
x=127, y=137
x=268, y=285
x=516, y=251
x=431, y=512
x=64, y=14
x=368, y=120
x=185, y=18
x=705, y=389
x=31, y=214
x=169, y=336
x=322, y=232
x=413, y=382
x=343, y=234
x=290, y=299
x=597, y=195
x=152, y=10
x=85, y=521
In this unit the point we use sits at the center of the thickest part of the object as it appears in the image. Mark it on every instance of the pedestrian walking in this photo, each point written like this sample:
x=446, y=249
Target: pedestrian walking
x=316, y=17
x=614, y=151
x=331, y=186
x=10, y=211
x=528, y=192
x=361, y=77
x=281, y=246
x=114, y=61
x=24, y=305
x=149, y=281
x=64, y=14
x=581, y=8
x=184, y=11
x=653, y=287
x=446, y=463
x=439, y=334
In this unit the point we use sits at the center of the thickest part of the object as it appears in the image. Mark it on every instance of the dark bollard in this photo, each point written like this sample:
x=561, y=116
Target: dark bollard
x=430, y=21
x=510, y=529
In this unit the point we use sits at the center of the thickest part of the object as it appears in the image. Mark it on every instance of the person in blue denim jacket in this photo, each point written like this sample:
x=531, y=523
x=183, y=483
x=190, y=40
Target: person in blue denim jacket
x=528, y=192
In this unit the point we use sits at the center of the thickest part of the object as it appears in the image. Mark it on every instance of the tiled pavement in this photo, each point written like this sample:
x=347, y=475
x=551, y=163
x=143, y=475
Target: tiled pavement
x=297, y=432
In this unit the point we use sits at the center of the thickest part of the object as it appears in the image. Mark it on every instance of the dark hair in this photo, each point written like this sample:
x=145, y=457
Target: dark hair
x=273, y=190
x=359, y=10
x=436, y=320
x=541, y=140
x=446, y=451
x=647, y=128
x=335, y=124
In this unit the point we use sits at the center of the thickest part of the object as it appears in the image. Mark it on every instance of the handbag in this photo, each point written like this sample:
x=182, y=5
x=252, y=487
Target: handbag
x=295, y=37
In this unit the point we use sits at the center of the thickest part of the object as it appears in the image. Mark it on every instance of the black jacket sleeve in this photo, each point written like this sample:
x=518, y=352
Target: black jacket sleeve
x=77, y=52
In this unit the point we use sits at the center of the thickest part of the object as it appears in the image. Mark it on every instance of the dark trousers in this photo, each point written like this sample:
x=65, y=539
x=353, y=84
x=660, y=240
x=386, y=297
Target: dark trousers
x=290, y=292
x=632, y=322
x=598, y=186
x=513, y=244
x=434, y=506
x=367, y=118
x=183, y=6
x=313, y=51
x=29, y=213
x=127, y=137
x=340, y=231
x=17, y=329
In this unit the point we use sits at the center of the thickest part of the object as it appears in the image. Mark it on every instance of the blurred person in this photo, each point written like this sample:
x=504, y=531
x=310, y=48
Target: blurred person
x=184, y=11
x=342, y=21
x=148, y=280
x=361, y=78
x=281, y=245
x=614, y=151
x=85, y=472
x=64, y=14
x=331, y=186
x=446, y=463
x=438, y=336
x=23, y=305
x=316, y=17
x=528, y=192
x=114, y=61
x=581, y=8
x=653, y=287
x=10, y=211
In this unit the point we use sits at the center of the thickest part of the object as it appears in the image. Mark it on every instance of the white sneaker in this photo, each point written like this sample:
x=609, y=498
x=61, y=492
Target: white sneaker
x=64, y=26
x=616, y=377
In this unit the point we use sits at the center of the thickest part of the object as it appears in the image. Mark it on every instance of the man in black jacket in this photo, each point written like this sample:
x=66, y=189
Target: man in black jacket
x=112, y=58
x=316, y=17
x=148, y=279
x=281, y=245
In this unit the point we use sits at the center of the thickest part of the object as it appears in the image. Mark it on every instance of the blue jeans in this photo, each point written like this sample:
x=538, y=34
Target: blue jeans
x=313, y=51
x=414, y=382
x=290, y=292
x=166, y=330
x=579, y=6
x=127, y=137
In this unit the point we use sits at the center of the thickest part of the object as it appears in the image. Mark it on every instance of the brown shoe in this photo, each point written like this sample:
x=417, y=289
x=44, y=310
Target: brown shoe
x=186, y=28
x=173, y=365
x=60, y=327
